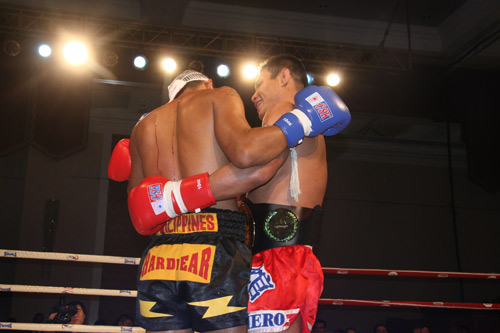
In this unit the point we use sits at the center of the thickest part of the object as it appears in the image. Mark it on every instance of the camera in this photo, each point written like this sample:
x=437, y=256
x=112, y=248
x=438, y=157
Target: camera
x=63, y=311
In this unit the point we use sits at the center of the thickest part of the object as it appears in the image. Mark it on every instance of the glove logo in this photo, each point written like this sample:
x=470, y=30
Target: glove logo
x=320, y=106
x=156, y=198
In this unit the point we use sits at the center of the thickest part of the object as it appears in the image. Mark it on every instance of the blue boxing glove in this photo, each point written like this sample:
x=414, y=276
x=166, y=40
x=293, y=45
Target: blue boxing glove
x=318, y=110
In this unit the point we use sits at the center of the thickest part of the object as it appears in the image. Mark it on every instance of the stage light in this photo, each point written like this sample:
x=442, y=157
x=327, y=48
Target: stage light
x=250, y=71
x=169, y=65
x=197, y=65
x=44, y=50
x=140, y=62
x=110, y=58
x=75, y=53
x=310, y=78
x=333, y=79
x=12, y=48
x=223, y=70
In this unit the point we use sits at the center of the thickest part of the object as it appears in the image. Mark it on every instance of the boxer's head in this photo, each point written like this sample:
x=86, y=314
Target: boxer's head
x=296, y=68
x=280, y=78
x=185, y=80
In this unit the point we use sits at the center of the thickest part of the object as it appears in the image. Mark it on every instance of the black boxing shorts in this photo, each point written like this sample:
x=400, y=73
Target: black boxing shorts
x=194, y=274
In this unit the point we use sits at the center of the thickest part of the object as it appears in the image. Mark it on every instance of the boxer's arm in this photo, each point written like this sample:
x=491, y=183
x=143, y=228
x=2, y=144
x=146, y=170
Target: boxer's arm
x=229, y=181
x=244, y=146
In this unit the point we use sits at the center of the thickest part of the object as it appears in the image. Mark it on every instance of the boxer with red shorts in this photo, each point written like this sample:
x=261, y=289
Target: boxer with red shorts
x=286, y=279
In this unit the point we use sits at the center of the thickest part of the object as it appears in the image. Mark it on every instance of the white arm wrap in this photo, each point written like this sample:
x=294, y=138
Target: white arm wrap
x=173, y=188
x=304, y=120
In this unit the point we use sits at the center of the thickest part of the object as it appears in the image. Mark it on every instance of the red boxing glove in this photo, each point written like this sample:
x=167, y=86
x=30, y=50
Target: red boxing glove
x=157, y=200
x=120, y=162
x=146, y=207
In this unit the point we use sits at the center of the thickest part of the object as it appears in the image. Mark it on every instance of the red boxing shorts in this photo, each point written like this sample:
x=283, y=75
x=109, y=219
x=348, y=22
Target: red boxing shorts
x=284, y=282
x=194, y=274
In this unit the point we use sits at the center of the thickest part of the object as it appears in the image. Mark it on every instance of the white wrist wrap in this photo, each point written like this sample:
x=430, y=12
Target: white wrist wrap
x=304, y=121
x=173, y=188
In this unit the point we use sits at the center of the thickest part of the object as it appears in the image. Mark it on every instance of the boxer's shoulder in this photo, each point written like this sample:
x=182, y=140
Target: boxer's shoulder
x=224, y=91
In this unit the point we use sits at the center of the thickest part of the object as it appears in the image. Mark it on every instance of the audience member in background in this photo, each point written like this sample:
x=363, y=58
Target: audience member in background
x=350, y=330
x=125, y=320
x=380, y=328
x=319, y=326
x=38, y=318
x=78, y=318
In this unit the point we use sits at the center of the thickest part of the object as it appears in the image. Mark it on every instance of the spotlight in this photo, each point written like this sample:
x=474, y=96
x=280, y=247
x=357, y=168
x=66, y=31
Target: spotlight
x=196, y=65
x=110, y=58
x=44, y=50
x=75, y=53
x=310, y=78
x=140, y=62
x=169, y=65
x=11, y=48
x=250, y=71
x=223, y=70
x=333, y=79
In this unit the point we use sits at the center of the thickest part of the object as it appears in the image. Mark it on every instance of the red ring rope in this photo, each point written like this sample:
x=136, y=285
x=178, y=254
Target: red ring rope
x=476, y=306
x=393, y=272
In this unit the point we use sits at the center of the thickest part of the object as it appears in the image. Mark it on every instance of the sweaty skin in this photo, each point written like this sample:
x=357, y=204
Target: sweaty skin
x=200, y=131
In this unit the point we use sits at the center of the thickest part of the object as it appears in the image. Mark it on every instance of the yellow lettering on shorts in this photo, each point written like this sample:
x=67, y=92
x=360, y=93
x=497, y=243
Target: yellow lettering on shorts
x=179, y=262
x=189, y=223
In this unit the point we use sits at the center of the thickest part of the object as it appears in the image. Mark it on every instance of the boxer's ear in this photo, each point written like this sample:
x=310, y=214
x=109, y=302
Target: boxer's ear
x=284, y=76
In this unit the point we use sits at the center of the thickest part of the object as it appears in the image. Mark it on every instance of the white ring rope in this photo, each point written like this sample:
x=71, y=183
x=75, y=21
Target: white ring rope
x=66, y=290
x=68, y=328
x=69, y=257
x=133, y=293
x=327, y=270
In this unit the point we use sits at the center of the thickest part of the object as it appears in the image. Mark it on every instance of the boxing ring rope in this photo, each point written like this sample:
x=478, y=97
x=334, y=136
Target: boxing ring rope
x=69, y=257
x=388, y=272
x=447, y=305
x=326, y=270
x=18, y=288
x=133, y=293
x=69, y=328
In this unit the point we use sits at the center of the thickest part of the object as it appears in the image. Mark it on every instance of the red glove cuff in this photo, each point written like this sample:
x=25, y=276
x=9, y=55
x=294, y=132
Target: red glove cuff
x=196, y=192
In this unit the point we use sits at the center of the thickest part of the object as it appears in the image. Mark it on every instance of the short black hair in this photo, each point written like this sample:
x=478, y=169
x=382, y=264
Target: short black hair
x=297, y=69
x=124, y=317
